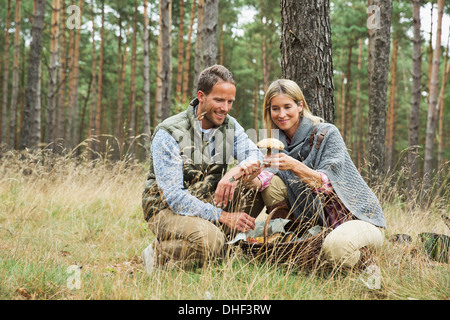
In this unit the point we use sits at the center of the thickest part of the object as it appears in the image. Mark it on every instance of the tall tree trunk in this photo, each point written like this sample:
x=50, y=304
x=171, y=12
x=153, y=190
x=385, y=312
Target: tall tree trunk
x=74, y=86
x=61, y=106
x=4, y=111
x=357, y=152
x=132, y=98
x=15, y=83
x=31, y=130
x=53, y=74
x=98, y=108
x=187, y=60
x=119, y=122
x=198, y=65
x=306, y=52
x=379, y=49
x=211, y=21
x=255, y=105
x=389, y=163
x=179, y=89
x=264, y=49
x=348, y=108
x=146, y=108
x=164, y=82
x=93, y=111
x=413, y=132
x=433, y=106
x=441, y=110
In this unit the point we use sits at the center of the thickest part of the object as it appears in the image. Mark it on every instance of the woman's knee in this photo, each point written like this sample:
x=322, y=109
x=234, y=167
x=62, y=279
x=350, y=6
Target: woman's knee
x=343, y=244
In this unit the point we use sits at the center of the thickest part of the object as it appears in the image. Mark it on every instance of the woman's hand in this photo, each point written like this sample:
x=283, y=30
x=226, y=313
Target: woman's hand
x=281, y=161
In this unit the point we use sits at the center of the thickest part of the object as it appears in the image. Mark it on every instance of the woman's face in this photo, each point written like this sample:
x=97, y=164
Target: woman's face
x=285, y=113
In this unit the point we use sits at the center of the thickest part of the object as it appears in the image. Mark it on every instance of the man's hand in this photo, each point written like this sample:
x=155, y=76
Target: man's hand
x=237, y=221
x=226, y=186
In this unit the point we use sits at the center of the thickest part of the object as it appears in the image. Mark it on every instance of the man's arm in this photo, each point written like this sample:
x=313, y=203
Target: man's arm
x=168, y=169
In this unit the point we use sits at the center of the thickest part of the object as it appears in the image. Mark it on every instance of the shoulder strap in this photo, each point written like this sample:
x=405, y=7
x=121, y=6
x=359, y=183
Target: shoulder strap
x=319, y=138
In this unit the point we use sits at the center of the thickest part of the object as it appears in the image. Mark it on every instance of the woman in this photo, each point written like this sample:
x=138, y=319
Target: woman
x=315, y=179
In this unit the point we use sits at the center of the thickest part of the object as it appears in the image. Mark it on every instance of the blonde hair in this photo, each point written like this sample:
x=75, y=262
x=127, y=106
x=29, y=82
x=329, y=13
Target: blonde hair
x=292, y=90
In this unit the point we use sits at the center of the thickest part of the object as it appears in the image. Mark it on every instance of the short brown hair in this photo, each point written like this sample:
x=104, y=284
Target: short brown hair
x=211, y=76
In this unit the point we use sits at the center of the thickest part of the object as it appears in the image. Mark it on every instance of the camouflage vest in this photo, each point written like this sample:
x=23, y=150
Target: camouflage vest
x=201, y=172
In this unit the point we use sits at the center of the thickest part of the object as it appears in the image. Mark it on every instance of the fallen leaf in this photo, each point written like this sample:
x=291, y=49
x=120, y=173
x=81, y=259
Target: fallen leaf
x=24, y=292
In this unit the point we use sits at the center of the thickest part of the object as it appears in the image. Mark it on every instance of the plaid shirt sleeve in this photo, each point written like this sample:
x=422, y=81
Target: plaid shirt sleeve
x=326, y=187
x=265, y=177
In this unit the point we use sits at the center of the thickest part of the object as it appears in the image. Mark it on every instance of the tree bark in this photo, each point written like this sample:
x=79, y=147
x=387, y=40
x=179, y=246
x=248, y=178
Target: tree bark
x=164, y=83
x=441, y=111
x=31, y=130
x=53, y=74
x=61, y=106
x=187, y=61
x=93, y=110
x=379, y=49
x=179, y=89
x=433, y=106
x=198, y=64
x=413, y=133
x=306, y=52
x=391, y=109
x=147, y=122
x=4, y=111
x=211, y=20
x=15, y=82
x=98, y=108
x=132, y=98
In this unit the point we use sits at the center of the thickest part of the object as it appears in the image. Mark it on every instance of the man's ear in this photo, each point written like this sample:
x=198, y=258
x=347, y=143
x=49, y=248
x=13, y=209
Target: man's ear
x=200, y=96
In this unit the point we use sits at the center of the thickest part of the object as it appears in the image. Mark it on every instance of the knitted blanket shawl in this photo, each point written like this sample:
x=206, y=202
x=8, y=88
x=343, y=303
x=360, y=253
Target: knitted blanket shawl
x=333, y=159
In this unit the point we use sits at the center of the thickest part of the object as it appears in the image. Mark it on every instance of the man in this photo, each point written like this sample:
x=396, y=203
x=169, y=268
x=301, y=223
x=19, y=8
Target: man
x=188, y=158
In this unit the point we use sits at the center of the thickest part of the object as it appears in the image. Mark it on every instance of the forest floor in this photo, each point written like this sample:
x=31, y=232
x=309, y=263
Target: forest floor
x=71, y=230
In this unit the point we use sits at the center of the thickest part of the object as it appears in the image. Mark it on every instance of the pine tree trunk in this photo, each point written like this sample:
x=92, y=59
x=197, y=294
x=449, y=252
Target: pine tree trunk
x=433, y=106
x=413, y=133
x=4, y=111
x=60, y=108
x=391, y=108
x=348, y=108
x=306, y=52
x=264, y=50
x=187, y=61
x=53, y=74
x=198, y=64
x=98, y=107
x=93, y=111
x=179, y=89
x=211, y=21
x=15, y=82
x=379, y=49
x=119, y=123
x=441, y=111
x=31, y=130
x=146, y=107
x=164, y=83
x=358, y=128
x=132, y=98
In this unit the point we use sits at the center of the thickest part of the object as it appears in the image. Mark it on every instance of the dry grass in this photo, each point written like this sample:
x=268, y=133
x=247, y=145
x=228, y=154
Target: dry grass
x=59, y=212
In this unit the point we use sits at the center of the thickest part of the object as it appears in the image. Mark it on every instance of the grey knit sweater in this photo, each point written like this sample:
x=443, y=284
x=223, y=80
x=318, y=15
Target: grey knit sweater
x=332, y=159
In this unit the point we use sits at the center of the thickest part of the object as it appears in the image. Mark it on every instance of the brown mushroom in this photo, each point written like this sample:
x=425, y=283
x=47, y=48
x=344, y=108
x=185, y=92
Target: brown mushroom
x=270, y=144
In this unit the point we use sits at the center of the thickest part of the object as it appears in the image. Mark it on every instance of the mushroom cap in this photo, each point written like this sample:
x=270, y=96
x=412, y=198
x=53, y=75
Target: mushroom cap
x=271, y=143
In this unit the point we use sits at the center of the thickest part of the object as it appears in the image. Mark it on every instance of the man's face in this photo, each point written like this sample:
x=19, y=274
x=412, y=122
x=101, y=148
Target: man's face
x=216, y=105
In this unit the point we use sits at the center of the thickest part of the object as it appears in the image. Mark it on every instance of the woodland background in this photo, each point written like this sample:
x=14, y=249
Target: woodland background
x=104, y=85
